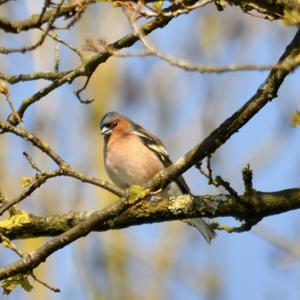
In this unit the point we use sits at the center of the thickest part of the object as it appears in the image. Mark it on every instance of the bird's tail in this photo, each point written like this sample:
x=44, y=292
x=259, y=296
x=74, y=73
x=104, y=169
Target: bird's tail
x=207, y=232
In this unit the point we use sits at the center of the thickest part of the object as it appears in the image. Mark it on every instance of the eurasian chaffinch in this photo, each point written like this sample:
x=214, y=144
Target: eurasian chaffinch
x=133, y=156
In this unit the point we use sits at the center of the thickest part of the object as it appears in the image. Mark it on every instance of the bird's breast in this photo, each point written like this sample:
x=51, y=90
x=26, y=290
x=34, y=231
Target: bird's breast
x=130, y=163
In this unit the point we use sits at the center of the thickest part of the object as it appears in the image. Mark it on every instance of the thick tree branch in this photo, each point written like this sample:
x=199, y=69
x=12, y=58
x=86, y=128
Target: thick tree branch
x=273, y=8
x=184, y=206
x=24, y=225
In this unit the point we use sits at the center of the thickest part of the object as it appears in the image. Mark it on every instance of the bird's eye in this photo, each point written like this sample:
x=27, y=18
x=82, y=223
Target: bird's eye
x=114, y=124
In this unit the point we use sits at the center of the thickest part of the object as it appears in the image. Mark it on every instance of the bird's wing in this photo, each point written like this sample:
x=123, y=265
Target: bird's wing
x=155, y=145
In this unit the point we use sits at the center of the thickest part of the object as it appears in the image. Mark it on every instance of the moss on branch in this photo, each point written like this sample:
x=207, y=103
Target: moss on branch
x=177, y=208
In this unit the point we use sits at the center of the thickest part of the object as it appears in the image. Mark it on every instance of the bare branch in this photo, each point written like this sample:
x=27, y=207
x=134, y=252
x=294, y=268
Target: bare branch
x=266, y=92
x=151, y=50
x=42, y=38
x=45, y=284
x=67, y=11
x=36, y=182
x=68, y=45
x=9, y=244
x=32, y=260
x=64, y=168
x=51, y=76
x=31, y=162
x=131, y=209
x=90, y=66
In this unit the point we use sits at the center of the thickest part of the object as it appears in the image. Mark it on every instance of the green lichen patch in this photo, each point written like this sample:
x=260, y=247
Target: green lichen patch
x=179, y=205
x=214, y=202
x=17, y=220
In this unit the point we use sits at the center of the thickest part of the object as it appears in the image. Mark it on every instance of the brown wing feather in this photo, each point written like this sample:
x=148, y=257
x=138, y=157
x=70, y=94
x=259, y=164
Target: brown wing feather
x=156, y=146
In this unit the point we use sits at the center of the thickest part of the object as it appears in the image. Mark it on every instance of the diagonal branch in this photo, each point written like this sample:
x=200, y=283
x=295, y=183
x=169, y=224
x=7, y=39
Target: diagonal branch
x=266, y=92
x=32, y=260
x=41, y=177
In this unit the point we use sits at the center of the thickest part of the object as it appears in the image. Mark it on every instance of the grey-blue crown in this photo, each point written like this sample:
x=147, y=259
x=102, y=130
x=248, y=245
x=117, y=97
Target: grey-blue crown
x=108, y=118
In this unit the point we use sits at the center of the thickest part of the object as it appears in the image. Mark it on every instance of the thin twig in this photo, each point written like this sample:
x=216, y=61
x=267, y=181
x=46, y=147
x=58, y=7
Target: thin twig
x=51, y=76
x=31, y=162
x=47, y=3
x=79, y=91
x=68, y=45
x=38, y=180
x=56, y=53
x=187, y=66
x=42, y=38
x=33, y=22
x=246, y=226
x=64, y=168
x=247, y=178
x=45, y=284
x=5, y=91
x=10, y=245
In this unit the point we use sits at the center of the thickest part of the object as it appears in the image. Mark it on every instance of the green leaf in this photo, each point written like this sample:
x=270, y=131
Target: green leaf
x=295, y=119
x=10, y=283
x=25, y=181
x=25, y=284
x=136, y=193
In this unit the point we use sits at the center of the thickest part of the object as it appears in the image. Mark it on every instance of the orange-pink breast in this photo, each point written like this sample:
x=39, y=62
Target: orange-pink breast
x=129, y=161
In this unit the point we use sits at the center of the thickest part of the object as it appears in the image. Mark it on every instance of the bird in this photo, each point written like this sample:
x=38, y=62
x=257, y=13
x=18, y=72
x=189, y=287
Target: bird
x=133, y=156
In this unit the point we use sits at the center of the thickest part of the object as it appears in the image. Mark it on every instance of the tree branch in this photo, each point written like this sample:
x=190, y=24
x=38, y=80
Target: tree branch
x=266, y=92
x=20, y=226
x=88, y=68
x=36, y=21
x=120, y=215
x=32, y=260
x=273, y=8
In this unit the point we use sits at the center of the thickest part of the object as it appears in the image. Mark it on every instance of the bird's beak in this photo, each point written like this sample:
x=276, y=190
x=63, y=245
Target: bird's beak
x=105, y=130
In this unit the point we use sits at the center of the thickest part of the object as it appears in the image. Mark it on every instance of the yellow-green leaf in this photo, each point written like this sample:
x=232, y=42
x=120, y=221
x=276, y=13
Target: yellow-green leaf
x=136, y=193
x=295, y=119
x=10, y=283
x=158, y=5
x=3, y=87
x=5, y=241
x=25, y=181
x=25, y=284
x=291, y=17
